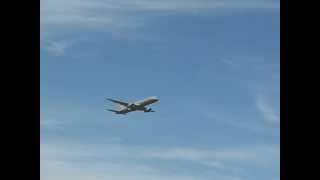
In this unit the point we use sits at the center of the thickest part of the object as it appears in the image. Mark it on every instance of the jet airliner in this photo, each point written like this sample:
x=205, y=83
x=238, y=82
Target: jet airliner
x=125, y=107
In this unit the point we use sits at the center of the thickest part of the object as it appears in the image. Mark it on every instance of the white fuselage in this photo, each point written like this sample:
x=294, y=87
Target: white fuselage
x=138, y=105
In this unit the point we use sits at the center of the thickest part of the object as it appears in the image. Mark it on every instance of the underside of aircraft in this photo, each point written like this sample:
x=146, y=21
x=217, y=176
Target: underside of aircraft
x=122, y=107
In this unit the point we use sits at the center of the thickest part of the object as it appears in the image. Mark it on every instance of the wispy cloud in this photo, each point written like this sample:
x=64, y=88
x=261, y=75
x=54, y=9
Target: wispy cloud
x=228, y=61
x=235, y=121
x=188, y=5
x=213, y=156
x=125, y=18
x=108, y=150
x=112, y=158
x=66, y=170
x=84, y=13
x=57, y=48
x=269, y=112
x=76, y=161
x=122, y=15
x=50, y=124
x=116, y=161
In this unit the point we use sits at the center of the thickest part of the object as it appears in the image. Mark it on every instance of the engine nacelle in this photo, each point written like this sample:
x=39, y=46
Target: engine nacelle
x=148, y=110
x=131, y=105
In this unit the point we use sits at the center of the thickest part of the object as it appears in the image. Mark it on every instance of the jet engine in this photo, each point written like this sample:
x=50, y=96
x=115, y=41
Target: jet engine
x=131, y=105
x=148, y=110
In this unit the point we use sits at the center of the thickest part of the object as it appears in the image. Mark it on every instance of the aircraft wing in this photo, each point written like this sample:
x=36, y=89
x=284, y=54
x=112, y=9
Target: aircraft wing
x=118, y=102
x=112, y=110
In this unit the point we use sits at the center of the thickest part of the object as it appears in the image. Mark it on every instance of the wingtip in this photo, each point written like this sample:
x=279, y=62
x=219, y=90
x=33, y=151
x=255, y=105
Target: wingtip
x=109, y=99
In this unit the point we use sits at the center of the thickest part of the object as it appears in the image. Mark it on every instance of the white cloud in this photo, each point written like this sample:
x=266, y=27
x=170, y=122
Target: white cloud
x=66, y=170
x=57, y=48
x=269, y=112
x=235, y=121
x=75, y=161
x=188, y=5
x=125, y=18
x=109, y=149
x=50, y=124
x=116, y=15
x=228, y=62
x=72, y=160
x=85, y=13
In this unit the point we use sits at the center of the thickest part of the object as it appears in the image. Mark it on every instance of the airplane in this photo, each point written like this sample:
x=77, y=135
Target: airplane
x=125, y=107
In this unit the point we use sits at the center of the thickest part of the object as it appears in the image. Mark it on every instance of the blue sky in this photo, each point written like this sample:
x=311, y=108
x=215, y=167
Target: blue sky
x=213, y=64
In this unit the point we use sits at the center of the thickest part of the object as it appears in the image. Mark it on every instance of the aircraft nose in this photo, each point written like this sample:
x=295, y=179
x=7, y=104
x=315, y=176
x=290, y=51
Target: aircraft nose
x=155, y=98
